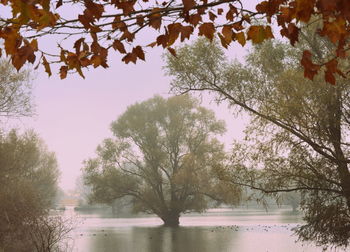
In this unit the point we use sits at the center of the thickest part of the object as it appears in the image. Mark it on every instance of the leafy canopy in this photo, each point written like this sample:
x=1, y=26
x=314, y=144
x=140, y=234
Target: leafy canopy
x=298, y=136
x=87, y=30
x=28, y=178
x=164, y=156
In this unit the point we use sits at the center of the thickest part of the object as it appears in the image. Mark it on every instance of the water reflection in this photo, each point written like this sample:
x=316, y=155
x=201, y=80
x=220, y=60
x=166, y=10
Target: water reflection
x=243, y=231
x=160, y=239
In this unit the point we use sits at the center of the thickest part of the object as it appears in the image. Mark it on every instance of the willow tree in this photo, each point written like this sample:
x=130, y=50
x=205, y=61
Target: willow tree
x=163, y=155
x=298, y=134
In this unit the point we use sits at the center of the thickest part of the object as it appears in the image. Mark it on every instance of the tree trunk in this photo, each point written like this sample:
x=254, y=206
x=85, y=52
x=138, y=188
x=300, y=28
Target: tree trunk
x=171, y=219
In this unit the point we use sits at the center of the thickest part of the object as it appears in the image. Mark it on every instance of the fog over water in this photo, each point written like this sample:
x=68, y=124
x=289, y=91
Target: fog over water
x=243, y=230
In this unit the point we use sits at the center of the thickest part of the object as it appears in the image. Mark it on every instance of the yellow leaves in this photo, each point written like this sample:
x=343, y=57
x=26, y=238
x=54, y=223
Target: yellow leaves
x=259, y=33
x=207, y=29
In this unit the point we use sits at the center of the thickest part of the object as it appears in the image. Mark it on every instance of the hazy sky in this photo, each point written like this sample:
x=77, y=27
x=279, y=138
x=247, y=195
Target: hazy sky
x=74, y=115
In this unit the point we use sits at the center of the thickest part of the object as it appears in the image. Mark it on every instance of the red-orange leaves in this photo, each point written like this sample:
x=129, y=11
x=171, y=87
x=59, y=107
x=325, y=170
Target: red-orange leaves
x=172, y=51
x=128, y=36
x=139, y=52
x=126, y=6
x=155, y=19
x=240, y=37
x=186, y=32
x=335, y=29
x=162, y=40
x=331, y=70
x=96, y=10
x=130, y=57
x=227, y=33
x=116, y=23
x=231, y=13
x=195, y=19
x=188, y=4
x=174, y=32
x=292, y=32
x=212, y=16
x=207, y=29
x=304, y=9
x=12, y=40
x=63, y=72
x=117, y=45
x=259, y=33
x=47, y=66
x=25, y=53
x=310, y=69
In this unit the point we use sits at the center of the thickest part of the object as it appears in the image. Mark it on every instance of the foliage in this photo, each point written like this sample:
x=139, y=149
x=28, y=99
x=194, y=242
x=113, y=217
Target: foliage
x=28, y=178
x=96, y=27
x=163, y=155
x=50, y=233
x=297, y=139
x=15, y=91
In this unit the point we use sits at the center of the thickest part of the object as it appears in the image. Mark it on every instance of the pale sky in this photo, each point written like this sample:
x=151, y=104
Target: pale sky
x=74, y=115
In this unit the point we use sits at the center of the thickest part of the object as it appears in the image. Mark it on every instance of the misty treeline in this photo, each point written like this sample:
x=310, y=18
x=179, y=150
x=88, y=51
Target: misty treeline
x=28, y=174
x=166, y=158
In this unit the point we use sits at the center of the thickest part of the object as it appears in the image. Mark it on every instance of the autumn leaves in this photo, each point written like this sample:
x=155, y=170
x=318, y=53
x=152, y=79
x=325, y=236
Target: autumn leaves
x=98, y=27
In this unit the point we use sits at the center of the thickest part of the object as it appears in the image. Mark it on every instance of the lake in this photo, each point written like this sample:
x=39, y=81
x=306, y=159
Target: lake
x=242, y=230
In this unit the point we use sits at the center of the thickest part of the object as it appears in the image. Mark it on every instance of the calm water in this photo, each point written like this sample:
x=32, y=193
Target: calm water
x=217, y=230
